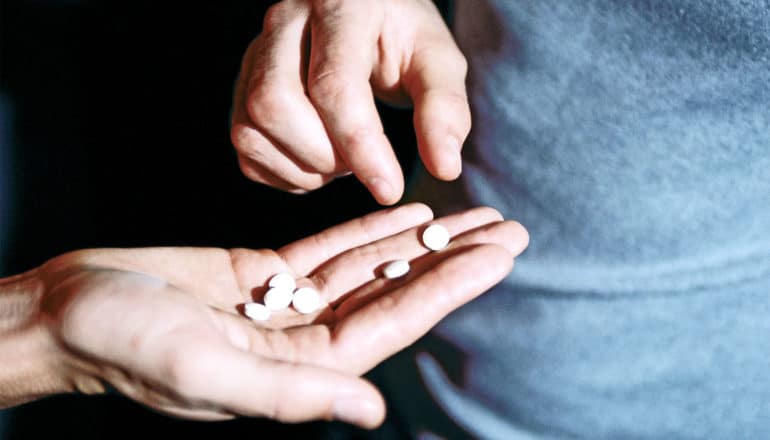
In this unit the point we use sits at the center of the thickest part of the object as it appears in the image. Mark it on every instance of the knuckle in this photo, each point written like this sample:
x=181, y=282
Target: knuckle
x=241, y=138
x=448, y=52
x=267, y=103
x=179, y=373
x=303, y=182
x=280, y=345
x=281, y=409
x=325, y=8
x=327, y=86
x=254, y=152
x=356, y=140
x=455, y=113
x=275, y=16
x=251, y=172
x=456, y=97
x=460, y=63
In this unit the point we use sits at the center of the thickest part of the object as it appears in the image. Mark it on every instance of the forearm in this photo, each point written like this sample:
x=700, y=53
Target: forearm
x=26, y=362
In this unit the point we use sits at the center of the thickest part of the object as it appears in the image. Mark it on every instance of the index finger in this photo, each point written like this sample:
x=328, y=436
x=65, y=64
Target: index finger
x=305, y=255
x=344, y=45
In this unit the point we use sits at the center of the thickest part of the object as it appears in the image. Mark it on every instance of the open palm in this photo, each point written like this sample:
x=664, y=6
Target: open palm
x=164, y=325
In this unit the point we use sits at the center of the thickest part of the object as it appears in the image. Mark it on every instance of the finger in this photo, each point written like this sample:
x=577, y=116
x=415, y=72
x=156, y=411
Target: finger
x=210, y=373
x=245, y=136
x=192, y=414
x=344, y=37
x=244, y=74
x=160, y=399
x=360, y=265
x=350, y=271
x=260, y=158
x=310, y=343
x=509, y=234
x=436, y=82
x=270, y=156
x=263, y=159
x=394, y=320
x=256, y=172
x=277, y=103
x=307, y=254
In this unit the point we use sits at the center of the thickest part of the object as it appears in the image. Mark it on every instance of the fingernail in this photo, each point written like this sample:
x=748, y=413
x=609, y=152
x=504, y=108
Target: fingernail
x=452, y=164
x=358, y=411
x=457, y=163
x=382, y=190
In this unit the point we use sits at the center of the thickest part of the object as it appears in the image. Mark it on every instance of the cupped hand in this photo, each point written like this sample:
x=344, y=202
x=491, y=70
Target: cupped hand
x=304, y=110
x=164, y=325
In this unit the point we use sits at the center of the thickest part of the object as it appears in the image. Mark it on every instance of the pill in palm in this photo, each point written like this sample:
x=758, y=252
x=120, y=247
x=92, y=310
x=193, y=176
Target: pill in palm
x=395, y=269
x=306, y=300
x=256, y=311
x=278, y=298
x=435, y=237
x=283, y=279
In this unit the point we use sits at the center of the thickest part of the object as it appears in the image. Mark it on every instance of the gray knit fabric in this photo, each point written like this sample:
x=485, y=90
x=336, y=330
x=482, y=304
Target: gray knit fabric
x=632, y=138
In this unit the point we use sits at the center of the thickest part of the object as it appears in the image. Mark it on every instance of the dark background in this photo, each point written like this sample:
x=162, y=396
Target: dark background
x=118, y=136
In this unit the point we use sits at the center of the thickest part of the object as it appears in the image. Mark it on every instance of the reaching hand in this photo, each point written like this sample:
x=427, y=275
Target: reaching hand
x=304, y=112
x=163, y=325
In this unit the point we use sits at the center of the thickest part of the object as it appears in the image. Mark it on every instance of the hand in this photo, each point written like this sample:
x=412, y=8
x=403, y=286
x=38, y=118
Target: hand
x=304, y=109
x=163, y=327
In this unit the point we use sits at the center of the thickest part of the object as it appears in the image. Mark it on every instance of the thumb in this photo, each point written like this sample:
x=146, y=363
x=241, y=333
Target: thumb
x=246, y=384
x=442, y=118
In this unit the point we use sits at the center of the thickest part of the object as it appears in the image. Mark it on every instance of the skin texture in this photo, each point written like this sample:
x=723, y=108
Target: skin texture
x=164, y=325
x=304, y=110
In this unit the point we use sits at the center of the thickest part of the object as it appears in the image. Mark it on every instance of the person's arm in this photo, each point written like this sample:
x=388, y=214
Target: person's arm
x=27, y=353
x=164, y=326
x=304, y=110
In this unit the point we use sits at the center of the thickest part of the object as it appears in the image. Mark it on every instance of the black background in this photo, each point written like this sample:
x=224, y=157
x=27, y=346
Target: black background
x=120, y=138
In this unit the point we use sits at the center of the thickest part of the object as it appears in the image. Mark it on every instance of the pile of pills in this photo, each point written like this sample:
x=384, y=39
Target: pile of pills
x=282, y=292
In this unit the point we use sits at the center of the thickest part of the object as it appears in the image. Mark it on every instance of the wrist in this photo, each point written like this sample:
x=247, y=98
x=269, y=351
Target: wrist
x=27, y=350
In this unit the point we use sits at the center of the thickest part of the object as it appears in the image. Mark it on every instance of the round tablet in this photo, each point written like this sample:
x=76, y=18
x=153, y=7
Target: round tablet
x=278, y=298
x=306, y=300
x=256, y=311
x=283, y=279
x=395, y=269
x=435, y=237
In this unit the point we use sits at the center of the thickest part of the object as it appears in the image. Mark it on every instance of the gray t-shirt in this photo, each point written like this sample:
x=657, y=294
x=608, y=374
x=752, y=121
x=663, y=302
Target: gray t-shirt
x=632, y=138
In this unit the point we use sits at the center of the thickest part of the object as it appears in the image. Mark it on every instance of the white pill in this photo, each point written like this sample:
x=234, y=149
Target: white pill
x=256, y=311
x=283, y=279
x=278, y=298
x=306, y=300
x=395, y=269
x=435, y=237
